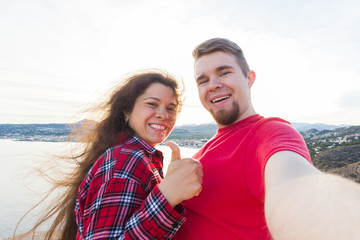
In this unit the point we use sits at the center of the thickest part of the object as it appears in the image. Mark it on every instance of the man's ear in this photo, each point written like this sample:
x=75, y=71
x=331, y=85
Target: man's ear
x=251, y=77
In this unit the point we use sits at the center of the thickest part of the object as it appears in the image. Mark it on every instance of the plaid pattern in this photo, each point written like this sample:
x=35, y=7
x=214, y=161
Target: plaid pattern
x=119, y=198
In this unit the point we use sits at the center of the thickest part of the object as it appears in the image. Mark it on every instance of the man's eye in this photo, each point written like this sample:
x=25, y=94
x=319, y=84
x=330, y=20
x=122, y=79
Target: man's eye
x=202, y=81
x=224, y=73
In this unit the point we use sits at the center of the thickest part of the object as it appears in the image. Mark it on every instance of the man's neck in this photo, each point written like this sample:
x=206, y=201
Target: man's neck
x=242, y=117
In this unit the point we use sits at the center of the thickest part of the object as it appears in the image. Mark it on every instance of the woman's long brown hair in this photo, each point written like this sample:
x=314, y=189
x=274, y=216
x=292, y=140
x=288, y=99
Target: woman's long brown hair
x=96, y=139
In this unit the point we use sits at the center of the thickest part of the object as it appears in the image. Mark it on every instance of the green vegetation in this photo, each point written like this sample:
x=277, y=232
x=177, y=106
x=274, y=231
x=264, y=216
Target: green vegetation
x=320, y=141
x=336, y=150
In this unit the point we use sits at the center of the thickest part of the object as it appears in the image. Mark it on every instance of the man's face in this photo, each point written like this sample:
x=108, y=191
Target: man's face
x=223, y=89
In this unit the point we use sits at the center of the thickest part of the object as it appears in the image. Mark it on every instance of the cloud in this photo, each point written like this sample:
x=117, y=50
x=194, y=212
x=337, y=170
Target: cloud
x=350, y=100
x=70, y=50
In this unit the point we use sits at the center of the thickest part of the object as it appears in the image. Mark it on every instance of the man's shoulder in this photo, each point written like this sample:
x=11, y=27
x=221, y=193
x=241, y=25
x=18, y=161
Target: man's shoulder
x=271, y=128
x=272, y=123
x=273, y=120
x=257, y=120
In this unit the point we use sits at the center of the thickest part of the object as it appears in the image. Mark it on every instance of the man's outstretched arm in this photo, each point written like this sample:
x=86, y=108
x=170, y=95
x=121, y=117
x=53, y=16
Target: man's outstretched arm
x=303, y=203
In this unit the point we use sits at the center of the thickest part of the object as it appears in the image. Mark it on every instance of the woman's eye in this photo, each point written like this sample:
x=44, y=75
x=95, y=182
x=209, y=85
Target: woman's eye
x=171, y=109
x=152, y=104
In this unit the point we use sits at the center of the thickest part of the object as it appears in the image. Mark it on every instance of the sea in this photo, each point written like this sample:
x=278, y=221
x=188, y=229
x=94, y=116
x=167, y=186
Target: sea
x=20, y=185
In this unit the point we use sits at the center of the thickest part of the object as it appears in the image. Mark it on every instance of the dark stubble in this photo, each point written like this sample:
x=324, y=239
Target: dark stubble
x=227, y=117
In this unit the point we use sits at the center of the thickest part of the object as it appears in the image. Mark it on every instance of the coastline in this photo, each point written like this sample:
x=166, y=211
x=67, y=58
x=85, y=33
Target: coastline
x=38, y=236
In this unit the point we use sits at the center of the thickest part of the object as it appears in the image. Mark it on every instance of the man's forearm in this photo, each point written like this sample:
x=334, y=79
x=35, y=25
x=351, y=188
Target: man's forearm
x=318, y=206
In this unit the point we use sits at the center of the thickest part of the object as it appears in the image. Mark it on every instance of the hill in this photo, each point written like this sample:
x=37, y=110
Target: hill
x=320, y=141
x=332, y=149
x=302, y=127
x=351, y=171
x=34, y=131
x=336, y=151
x=194, y=131
x=209, y=129
x=344, y=161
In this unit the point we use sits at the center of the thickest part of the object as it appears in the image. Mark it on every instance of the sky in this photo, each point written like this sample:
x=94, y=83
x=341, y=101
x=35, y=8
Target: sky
x=57, y=58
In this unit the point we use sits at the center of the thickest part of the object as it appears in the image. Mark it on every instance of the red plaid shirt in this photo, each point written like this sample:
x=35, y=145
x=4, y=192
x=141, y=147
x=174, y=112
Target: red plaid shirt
x=119, y=197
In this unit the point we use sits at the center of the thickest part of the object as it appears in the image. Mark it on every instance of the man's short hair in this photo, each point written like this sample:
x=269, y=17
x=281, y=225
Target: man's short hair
x=222, y=45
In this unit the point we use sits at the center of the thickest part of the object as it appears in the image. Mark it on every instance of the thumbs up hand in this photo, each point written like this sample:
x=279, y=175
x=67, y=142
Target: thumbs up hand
x=175, y=150
x=183, y=178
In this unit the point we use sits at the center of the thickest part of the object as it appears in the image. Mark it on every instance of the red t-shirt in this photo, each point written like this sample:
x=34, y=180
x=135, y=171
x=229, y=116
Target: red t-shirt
x=231, y=204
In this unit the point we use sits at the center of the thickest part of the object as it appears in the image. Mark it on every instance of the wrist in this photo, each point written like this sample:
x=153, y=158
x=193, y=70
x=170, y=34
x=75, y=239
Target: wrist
x=169, y=194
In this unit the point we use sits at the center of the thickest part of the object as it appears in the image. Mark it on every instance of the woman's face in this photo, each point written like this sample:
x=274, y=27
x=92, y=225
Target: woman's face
x=154, y=114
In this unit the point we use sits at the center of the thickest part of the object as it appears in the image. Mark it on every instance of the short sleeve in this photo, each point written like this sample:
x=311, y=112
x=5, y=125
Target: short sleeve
x=268, y=137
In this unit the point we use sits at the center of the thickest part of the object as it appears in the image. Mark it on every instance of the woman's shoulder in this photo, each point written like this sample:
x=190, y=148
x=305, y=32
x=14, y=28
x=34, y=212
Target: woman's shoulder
x=117, y=163
x=124, y=160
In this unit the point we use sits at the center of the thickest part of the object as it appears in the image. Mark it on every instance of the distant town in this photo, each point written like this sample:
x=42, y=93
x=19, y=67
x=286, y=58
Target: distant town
x=319, y=137
x=332, y=148
x=189, y=136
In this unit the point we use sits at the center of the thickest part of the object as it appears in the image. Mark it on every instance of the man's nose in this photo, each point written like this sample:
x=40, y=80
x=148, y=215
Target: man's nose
x=214, y=83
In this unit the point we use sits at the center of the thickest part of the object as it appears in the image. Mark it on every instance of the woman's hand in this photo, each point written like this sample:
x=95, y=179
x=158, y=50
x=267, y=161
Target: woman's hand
x=183, y=178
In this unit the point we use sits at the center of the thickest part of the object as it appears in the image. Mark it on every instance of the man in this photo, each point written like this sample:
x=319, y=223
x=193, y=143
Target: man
x=259, y=182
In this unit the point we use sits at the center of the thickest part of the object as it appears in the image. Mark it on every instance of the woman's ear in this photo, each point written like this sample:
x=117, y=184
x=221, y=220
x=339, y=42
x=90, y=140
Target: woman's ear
x=127, y=118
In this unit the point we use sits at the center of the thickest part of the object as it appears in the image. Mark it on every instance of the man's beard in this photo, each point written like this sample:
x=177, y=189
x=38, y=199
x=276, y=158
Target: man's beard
x=227, y=117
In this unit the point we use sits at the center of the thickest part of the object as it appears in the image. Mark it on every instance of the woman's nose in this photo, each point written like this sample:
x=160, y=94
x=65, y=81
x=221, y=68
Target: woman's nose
x=162, y=113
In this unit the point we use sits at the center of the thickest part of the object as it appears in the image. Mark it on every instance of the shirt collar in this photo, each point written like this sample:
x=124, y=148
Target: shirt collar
x=243, y=123
x=149, y=149
x=131, y=139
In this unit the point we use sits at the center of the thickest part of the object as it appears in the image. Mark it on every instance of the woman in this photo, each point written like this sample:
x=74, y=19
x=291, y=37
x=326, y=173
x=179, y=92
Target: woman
x=117, y=191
